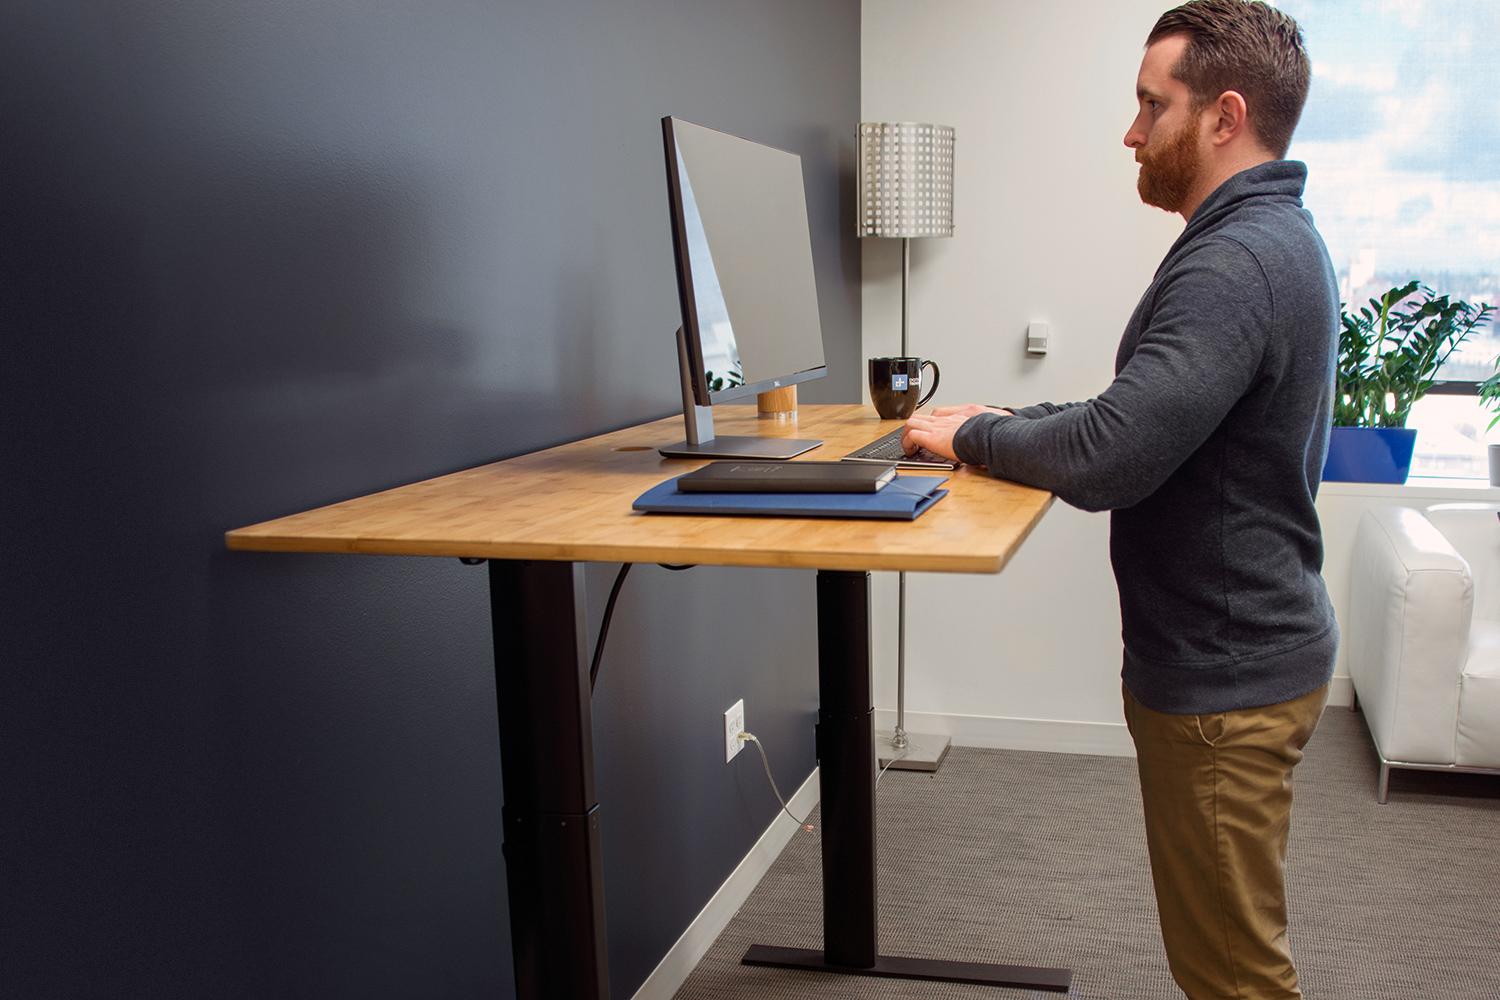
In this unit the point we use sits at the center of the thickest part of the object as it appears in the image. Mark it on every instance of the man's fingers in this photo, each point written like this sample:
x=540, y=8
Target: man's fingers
x=914, y=439
x=914, y=425
x=966, y=410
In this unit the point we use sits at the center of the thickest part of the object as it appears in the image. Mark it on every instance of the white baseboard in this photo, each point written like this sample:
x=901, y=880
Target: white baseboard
x=1109, y=739
x=700, y=935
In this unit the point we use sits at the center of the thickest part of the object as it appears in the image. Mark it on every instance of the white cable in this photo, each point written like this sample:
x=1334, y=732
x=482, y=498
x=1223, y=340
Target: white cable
x=888, y=764
x=767, y=765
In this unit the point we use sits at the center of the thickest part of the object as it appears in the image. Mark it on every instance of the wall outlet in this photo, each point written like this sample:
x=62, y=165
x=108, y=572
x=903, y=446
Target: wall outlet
x=734, y=724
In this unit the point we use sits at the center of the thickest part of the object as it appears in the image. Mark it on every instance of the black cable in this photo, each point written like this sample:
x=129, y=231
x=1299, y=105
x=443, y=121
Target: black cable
x=609, y=612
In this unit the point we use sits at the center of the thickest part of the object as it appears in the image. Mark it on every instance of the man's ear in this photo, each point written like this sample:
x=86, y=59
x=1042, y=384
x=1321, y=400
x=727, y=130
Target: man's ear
x=1228, y=117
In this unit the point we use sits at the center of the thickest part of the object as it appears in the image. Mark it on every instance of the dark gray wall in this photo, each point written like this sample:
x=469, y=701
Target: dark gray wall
x=257, y=257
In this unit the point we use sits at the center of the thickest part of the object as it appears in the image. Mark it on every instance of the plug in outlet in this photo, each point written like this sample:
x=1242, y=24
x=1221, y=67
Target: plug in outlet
x=734, y=724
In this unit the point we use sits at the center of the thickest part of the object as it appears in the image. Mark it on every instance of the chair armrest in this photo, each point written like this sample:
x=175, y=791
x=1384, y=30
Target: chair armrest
x=1411, y=601
x=1474, y=532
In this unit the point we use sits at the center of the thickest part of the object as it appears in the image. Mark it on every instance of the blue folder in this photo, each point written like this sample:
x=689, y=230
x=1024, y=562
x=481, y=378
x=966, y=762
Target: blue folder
x=905, y=498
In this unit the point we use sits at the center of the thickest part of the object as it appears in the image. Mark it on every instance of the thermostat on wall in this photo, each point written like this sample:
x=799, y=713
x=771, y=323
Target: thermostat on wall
x=1038, y=337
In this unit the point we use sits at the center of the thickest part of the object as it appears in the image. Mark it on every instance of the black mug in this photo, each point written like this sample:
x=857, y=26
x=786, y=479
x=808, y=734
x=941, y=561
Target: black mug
x=896, y=384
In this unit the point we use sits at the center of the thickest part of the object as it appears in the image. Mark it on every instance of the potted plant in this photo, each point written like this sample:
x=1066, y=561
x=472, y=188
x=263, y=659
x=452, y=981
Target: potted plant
x=1389, y=352
x=1489, y=397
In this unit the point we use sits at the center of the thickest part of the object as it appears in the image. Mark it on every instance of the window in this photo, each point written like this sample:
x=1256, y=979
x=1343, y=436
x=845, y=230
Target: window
x=1401, y=136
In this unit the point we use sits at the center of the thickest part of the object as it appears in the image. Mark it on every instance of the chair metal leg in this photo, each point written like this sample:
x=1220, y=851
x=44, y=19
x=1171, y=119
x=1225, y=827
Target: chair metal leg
x=1385, y=779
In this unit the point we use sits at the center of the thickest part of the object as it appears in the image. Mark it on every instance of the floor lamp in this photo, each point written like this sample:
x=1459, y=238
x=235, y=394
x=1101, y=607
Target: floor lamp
x=906, y=190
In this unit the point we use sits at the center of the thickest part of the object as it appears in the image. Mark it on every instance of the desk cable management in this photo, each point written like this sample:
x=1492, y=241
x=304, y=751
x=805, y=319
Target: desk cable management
x=609, y=612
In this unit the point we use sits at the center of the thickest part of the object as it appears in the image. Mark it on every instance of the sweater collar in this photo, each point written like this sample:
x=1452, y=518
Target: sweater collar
x=1283, y=178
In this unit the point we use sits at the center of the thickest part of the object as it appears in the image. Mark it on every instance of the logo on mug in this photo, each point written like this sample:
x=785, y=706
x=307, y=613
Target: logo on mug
x=898, y=383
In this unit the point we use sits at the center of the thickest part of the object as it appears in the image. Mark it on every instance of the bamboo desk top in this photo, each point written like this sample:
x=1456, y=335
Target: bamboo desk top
x=573, y=502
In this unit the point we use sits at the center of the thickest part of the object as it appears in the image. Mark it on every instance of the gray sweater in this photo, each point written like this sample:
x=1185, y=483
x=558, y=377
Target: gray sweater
x=1208, y=448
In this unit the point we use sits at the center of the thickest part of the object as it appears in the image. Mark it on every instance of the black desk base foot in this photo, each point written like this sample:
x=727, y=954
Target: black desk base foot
x=933, y=970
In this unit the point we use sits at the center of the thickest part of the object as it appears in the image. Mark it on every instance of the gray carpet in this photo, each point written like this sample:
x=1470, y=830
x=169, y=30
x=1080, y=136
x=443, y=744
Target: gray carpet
x=1040, y=859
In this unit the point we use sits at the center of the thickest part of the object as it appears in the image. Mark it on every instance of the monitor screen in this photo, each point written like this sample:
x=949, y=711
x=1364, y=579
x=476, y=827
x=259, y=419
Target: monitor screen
x=744, y=263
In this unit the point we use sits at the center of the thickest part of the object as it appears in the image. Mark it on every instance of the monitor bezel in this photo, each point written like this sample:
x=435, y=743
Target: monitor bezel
x=692, y=338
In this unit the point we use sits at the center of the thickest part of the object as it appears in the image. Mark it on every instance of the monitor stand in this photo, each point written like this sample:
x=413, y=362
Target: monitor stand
x=703, y=443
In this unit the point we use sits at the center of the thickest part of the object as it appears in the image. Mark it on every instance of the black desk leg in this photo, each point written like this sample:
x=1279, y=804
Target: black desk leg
x=553, y=862
x=846, y=779
x=846, y=761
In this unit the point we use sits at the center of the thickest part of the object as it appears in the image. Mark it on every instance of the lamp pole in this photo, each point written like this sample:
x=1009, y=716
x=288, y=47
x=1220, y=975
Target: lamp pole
x=906, y=190
x=905, y=299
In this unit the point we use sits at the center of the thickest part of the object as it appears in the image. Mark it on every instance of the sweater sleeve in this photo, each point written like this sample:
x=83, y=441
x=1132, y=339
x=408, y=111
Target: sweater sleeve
x=1041, y=409
x=1199, y=351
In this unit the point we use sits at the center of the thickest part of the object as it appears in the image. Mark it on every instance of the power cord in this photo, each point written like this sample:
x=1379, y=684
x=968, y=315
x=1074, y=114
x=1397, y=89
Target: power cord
x=742, y=737
x=900, y=756
x=609, y=612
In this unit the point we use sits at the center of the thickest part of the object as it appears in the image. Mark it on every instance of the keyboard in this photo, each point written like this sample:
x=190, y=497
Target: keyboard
x=888, y=449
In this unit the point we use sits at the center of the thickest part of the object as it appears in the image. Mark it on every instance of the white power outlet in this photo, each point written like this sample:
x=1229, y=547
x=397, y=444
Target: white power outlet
x=734, y=724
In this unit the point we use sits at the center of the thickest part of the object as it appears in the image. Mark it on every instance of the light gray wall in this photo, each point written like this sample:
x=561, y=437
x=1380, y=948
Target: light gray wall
x=1047, y=226
x=259, y=257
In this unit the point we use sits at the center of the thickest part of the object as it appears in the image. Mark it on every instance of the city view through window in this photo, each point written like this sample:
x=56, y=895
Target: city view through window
x=1401, y=136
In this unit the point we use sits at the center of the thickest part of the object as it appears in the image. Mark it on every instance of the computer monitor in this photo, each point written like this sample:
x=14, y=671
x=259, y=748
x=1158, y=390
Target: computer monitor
x=744, y=280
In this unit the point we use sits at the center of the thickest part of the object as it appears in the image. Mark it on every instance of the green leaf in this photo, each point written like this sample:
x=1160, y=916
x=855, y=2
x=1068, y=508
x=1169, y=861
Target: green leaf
x=1389, y=355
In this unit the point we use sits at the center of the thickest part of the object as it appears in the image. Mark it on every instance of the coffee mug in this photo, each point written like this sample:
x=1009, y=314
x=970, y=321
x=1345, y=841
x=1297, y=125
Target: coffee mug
x=896, y=384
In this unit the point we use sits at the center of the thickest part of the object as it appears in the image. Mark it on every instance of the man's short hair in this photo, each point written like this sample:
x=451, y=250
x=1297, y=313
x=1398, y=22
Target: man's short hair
x=1249, y=47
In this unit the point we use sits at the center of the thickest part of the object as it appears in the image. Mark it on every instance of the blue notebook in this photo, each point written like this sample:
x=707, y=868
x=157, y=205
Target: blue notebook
x=904, y=499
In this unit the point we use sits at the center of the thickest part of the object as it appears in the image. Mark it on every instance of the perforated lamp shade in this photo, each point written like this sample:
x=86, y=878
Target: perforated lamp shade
x=905, y=179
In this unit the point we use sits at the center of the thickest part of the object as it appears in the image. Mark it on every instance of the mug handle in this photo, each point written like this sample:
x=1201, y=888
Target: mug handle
x=936, y=378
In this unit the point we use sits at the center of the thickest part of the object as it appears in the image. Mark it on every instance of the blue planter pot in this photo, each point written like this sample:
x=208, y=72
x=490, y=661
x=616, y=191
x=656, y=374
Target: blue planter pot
x=1369, y=454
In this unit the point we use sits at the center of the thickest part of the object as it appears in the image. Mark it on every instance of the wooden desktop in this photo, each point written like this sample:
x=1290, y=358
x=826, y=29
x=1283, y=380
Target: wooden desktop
x=537, y=518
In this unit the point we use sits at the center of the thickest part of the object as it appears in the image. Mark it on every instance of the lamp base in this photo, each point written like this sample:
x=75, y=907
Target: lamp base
x=922, y=753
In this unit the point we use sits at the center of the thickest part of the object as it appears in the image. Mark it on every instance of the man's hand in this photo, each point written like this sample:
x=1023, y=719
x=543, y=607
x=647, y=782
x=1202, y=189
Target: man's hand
x=934, y=431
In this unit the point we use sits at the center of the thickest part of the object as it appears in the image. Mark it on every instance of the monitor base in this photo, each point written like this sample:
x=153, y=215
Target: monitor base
x=727, y=446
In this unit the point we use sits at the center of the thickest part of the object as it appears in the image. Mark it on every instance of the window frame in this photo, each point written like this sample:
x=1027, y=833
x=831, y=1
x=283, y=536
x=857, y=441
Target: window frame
x=1454, y=387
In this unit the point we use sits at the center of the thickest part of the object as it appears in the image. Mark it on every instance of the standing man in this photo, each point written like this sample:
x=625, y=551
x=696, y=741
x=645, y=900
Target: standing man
x=1208, y=448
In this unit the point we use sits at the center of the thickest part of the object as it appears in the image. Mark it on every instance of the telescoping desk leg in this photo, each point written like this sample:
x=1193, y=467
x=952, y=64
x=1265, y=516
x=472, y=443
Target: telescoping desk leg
x=553, y=861
x=846, y=761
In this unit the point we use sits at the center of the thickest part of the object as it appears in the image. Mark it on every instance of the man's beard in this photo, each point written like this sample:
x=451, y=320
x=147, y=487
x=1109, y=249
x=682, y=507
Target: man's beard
x=1168, y=174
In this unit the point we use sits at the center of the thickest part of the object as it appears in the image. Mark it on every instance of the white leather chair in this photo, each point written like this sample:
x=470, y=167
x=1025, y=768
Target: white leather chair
x=1423, y=636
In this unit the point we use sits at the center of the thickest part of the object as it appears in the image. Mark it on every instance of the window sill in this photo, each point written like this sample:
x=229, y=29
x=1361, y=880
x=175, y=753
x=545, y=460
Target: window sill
x=1417, y=487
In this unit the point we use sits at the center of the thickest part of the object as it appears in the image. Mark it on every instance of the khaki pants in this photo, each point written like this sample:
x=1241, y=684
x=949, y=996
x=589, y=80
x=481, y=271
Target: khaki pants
x=1217, y=791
